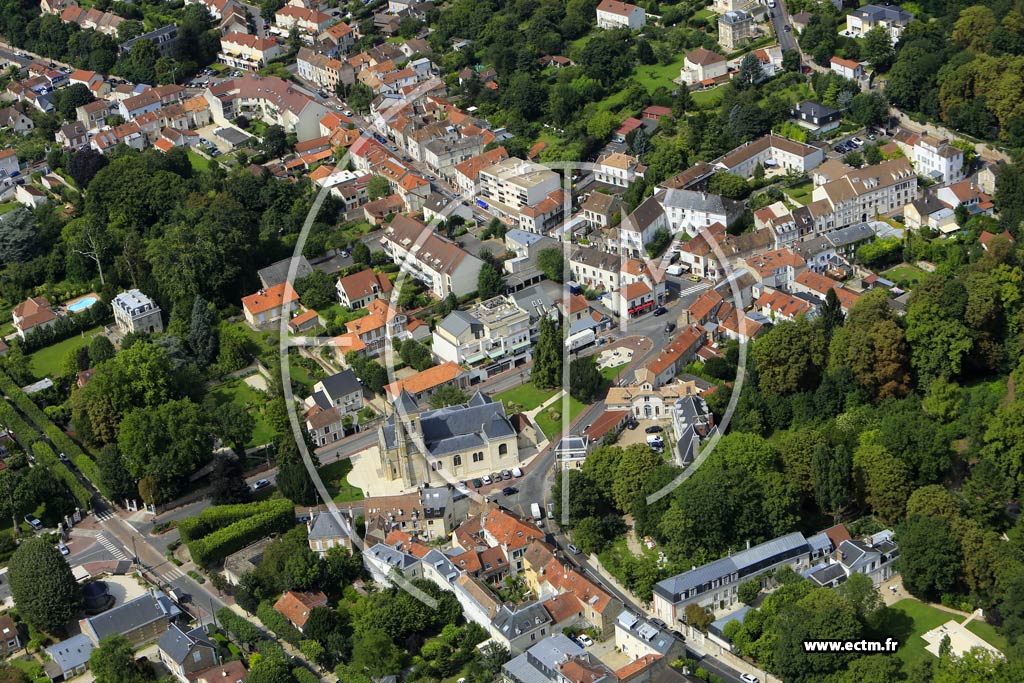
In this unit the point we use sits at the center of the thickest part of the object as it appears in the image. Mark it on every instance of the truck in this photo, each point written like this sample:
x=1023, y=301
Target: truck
x=535, y=511
x=580, y=340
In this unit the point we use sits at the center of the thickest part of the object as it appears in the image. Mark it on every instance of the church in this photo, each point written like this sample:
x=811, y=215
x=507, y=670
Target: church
x=462, y=441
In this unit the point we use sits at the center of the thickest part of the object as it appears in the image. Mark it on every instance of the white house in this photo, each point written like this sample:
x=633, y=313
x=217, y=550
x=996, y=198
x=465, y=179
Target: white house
x=701, y=65
x=614, y=14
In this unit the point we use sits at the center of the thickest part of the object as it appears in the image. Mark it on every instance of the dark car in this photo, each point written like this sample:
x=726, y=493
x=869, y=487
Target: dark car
x=509, y=491
x=654, y=429
x=632, y=424
x=786, y=28
x=659, y=623
x=669, y=328
x=660, y=310
x=477, y=483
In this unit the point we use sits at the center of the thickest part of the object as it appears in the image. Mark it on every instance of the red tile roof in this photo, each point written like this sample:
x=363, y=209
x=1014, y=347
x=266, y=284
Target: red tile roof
x=270, y=298
x=295, y=606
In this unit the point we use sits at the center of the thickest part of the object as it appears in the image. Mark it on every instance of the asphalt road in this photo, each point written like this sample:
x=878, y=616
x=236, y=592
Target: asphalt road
x=780, y=19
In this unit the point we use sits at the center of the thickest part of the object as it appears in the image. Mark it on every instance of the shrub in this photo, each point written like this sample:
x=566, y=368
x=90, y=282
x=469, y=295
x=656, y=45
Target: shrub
x=46, y=456
x=277, y=623
x=279, y=516
x=219, y=516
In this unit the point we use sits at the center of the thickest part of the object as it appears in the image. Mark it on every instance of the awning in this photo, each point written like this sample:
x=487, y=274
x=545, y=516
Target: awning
x=641, y=307
x=496, y=353
x=520, y=345
x=475, y=358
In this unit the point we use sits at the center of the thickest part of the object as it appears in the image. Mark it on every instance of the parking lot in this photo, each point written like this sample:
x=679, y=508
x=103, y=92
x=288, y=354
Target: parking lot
x=639, y=435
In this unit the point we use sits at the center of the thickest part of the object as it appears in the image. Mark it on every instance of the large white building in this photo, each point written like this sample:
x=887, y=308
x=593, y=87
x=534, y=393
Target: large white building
x=771, y=151
x=618, y=169
x=613, y=14
x=523, y=194
x=136, y=312
x=938, y=160
x=268, y=98
x=694, y=211
x=892, y=18
x=870, y=191
x=490, y=337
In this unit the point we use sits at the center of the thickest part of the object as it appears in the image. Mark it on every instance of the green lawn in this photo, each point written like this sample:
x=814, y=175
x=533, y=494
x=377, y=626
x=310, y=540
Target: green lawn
x=552, y=427
x=654, y=75
x=198, y=161
x=46, y=362
x=610, y=374
x=333, y=476
x=526, y=396
x=910, y=619
x=904, y=271
x=703, y=14
x=800, y=193
x=8, y=206
x=708, y=99
x=240, y=393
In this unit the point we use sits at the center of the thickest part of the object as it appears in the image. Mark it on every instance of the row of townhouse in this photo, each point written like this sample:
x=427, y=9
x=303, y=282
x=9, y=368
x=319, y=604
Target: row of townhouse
x=634, y=288
x=269, y=99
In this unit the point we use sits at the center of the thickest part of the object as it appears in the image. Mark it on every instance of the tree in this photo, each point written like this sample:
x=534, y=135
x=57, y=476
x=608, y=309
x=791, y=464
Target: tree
x=316, y=290
x=585, y=380
x=728, y=185
x=100, y=349
x=294, y=483
x=270, y=669
x=831, y=315
x=547, y=356
x=42, y=585
x=378, y=187
x=748, y=591
x=854, y=159
x=167, y=442
x=275, y=141
x=791, y=60
x=973, y=30
x=227, y=482
x=68, y=99
x=84, y=164
x=698, y=617
x=19, y=240
x=360, y=253
x=682, y=103
x=489, y=282
x=862, y=594
x=868, y=109
x=634, y=467
x=114, y=475
x=831, y=470
x=789, y=358
x=876, y=49
x=750, y=72
x=884, y=480
x=447, y=395
x=114, y=662
x=930, y=556
x=202, y=331
x=551, y=262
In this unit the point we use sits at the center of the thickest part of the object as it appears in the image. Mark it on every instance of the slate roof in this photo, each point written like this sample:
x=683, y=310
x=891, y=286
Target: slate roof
x=324, y=526
x=341, y=384
x=456, y=428
x=71, y=653
x=527, y=618
x=176, y=644
x=130, y=616
x=458, y=322
x=276, y=273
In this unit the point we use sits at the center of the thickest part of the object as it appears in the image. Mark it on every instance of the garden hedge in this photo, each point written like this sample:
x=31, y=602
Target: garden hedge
x=45, y=455
x=214, y=547
x=219, y=516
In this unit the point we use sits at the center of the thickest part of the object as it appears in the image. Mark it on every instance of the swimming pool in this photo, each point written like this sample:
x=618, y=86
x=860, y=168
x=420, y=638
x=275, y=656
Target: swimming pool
x=82, y=304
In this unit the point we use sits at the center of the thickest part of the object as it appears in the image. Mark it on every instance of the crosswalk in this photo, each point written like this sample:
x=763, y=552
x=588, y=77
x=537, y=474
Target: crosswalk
x=170, y=572
x=688, y=287
x=105, y=514
x=111, y=547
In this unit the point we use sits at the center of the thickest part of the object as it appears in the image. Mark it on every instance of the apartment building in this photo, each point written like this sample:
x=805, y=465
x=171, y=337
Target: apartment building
x=892, y=18
x=490, y=337
x=735, y=26
x=938, y=160
x=268, y=98
x=467, y=174
x=309, y=21
x=438, y=263
x=359, y=289
x=771, y=151
x=870, y=191
x=369, y=334
x=613, y=14
x=325, y=71
x=695, y=211
x=508, y=187
x=244, y=51
x=618, y=169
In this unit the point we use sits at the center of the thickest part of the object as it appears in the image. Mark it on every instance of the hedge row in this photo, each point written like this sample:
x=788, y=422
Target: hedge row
x=10, y=419
x=86, y=465
x=216, y=546
x=304, y=675
x=245, y=633
x=277, y=623
x=219, y=516
x=46, y=456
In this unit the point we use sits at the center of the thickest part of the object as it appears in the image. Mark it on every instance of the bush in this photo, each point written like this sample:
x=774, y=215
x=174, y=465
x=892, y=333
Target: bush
x=46, y=456
x=277, y=517
x=304, y=675
x=219, y=516
x=276, y=622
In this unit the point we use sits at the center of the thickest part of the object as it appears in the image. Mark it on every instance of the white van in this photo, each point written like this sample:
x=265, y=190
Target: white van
x=675, y=270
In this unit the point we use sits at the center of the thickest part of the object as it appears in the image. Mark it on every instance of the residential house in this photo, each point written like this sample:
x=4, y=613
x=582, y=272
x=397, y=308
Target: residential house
x=186, y=653
x=614, y=14
x=555, y=659
x=465, y=441
x=775, y=269
x=244, y=51
x=493, y=336
x=702, y=65
x=467, y=173
x=770, y=151
x=815, y=116
x=104, y=22
x=428, y=514
x=69, y=658
x=228, y=672
x=382, y=560
x=150, y=100
x=165, y=38
x=336, y=40
x=618, y=169
x=30, y=196
x=369, y=334
x=874, y=556
x=735, y=26
x=986, y=237
x=847, y=68
x=777, y=306
x=437, y=262
x=31, y=314
x=818, y=286
x=695, y=211
x=340, y=391
x=423, y=384
x=277, y=273
x=93, y=115
x=938, y=160
x=679, y=353
x=326, y=530
x=140, y=620
x=295, y=606
x=10, y=641
x=638, y=638
x=892, y=18
x=136, y=312
x=309, y=21
x=601, y=211
x=966, y=194
x=326, y=71
x=13, y=118
x=269, y=305
x=9, y=163
x=693, y=423
x=359, y=289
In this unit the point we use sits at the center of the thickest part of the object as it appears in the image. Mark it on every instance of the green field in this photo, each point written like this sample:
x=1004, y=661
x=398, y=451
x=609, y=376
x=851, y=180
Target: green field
x=904, y=271
x=553, y=428
x=198, y=161
x=708, y=99
x=910, y=619
x=240, y=393
x=988, y=633
x=525, y=397
x=46, y=362
x=654, y=75
x=333, y=476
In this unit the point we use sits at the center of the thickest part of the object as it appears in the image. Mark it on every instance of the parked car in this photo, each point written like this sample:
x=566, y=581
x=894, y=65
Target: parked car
x=694, y=278
x=660, y=310
x=506, y=475
x=678, y=635
x=516, y=472
x=857, y=141
x=63, y=456
x=33, y=522
x=632, y=424
x=260, y=484
x=572, y=549
x=344, y=253
x=477, y=483
x=63, y=549
x=487, y=479
x=659, y=623
x=509, y=491
x=748, y=678
x=654, y=429
x=786, y=28
x=584, y=640
x=669, y=328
